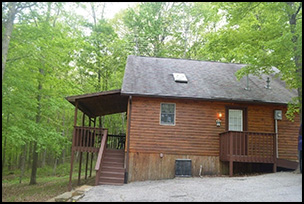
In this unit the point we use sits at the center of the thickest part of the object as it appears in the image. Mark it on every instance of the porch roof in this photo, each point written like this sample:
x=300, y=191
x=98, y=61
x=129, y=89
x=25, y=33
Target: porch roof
x=100, y=103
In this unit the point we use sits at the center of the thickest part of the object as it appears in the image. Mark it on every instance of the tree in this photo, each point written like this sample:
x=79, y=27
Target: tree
x=37, y=81
x=13, y=9
x=148, y=26
x=263, y=35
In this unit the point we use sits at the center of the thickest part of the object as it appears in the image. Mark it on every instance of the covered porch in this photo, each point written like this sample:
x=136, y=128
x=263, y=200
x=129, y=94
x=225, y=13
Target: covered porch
x=93, y=138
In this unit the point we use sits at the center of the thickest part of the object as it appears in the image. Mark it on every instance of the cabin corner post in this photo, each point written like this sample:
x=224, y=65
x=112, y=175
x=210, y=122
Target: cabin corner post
x=129, y=109
x=73, y=143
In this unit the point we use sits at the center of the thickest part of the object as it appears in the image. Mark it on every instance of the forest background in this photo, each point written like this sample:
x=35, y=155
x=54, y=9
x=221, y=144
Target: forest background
x=51, y=51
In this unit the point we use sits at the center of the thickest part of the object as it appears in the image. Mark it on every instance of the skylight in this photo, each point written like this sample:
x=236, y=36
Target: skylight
x=180, y=77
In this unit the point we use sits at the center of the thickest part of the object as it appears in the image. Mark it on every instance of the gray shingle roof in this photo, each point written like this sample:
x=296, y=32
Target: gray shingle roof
x=153, y=76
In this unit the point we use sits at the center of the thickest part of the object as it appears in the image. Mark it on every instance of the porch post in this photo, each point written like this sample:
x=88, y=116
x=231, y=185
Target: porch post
x=87, y=159
x=73, y=143
x=92, y=155
x=231, y=154
x=230, y=167
x=79, y=172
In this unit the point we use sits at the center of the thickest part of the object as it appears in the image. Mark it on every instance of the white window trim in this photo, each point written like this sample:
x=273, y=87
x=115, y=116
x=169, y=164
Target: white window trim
x=160, y=111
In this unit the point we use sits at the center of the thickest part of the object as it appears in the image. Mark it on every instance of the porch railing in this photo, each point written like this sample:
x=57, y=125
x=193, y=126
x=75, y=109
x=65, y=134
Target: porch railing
x=100, y=157
x=87, y=139
x=116, y=141
x=248, y=146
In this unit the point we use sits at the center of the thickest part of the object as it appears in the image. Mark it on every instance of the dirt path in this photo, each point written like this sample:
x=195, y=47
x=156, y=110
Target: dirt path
x=273, y=187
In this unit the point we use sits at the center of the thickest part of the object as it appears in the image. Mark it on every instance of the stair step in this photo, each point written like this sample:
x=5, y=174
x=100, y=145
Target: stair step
x=111, y=179
x=115, y=161
x=112, y=164
x=112, y=168
x=112, y=174
x=114, y=153
x=113, y=157
x=110, y=183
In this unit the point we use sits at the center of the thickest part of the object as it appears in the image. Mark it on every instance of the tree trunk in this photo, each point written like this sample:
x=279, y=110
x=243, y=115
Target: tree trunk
x=63, y=135
x=4, y=146
x=34, y=165
x=38, y=118
x=7, y=33
x=55, y=166
x=23, y=157
x=29, y=156
x=43, y=158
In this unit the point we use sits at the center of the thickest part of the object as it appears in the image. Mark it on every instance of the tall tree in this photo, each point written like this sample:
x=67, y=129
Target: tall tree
x=263, y=35
x=8, y=21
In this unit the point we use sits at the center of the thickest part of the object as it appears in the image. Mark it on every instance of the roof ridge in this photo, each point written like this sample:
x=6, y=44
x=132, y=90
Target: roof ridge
x=188, y=59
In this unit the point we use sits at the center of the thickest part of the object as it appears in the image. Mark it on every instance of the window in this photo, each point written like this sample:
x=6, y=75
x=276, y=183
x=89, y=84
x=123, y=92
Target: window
x=180, y=77
x=167, y=113
x=235, y=120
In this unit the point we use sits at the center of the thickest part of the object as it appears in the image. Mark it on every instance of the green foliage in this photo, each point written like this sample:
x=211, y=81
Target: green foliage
x=260, y=34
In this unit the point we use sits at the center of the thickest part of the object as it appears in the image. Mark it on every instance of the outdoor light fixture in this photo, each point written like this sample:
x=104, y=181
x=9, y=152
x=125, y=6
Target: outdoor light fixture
x=218, y=121
x=161, y=155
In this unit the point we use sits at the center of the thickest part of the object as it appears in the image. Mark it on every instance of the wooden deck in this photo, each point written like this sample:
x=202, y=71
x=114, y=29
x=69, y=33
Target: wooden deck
x=252, y=147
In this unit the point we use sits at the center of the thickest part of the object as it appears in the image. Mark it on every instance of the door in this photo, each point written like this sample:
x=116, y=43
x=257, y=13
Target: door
x=236, y=121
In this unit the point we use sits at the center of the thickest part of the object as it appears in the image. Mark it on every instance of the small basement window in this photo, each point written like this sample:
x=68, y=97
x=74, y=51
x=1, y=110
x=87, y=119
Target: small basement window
x=167, y=113
x=180, y=77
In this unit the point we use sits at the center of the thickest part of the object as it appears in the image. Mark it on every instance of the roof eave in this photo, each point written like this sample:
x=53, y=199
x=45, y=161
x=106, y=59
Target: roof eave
x=201, y=98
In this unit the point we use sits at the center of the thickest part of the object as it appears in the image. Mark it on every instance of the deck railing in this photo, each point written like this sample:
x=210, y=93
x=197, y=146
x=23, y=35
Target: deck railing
x=116, y=141
x=87, y=139
x=248, y=146
x=100, y=156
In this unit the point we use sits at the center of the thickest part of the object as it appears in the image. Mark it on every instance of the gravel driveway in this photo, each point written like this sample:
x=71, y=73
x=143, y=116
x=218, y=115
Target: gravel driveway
x=272, y=187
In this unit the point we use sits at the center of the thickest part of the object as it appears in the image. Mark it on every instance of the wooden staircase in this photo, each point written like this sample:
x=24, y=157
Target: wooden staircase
x=112, y=170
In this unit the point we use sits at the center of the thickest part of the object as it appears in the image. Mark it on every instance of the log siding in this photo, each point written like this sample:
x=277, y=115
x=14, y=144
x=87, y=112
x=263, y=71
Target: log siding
x=195, y=135
x=195, y=131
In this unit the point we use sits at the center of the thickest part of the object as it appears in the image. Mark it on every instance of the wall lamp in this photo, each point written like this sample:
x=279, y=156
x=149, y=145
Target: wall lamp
x=218, y=120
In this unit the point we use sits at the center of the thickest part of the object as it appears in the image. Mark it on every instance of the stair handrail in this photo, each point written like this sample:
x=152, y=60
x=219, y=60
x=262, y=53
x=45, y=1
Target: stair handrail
x=100, y=155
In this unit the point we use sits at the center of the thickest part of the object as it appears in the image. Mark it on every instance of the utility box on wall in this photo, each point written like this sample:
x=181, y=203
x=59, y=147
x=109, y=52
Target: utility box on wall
x=278, y=114
x=183, y=167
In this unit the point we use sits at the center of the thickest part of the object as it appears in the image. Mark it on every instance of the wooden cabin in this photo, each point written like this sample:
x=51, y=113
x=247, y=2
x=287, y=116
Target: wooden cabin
x=191, y=110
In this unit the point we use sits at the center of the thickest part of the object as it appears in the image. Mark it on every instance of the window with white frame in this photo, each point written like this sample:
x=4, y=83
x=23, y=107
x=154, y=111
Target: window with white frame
x=235, y=120
x=167, y=113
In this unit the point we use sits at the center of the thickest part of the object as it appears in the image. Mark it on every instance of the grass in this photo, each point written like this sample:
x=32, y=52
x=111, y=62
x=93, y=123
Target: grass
x=47, y=187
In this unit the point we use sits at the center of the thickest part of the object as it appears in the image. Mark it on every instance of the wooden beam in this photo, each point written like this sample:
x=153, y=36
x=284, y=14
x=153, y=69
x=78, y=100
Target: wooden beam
x=79, y=172
x=73, y=143
x=91, y=167
x=86, y=169
x=71, y=171
x=231, y=154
